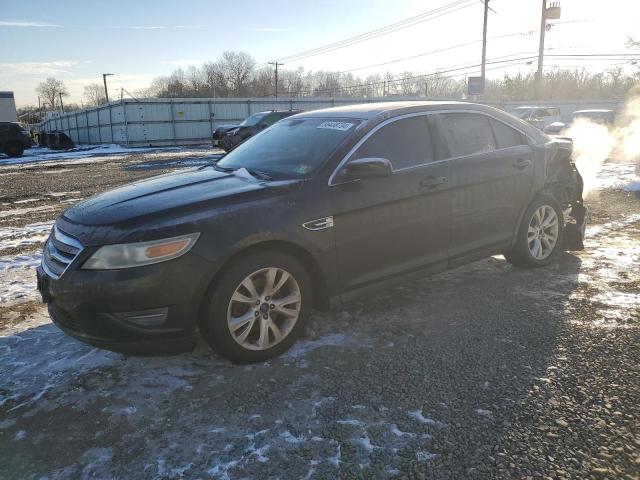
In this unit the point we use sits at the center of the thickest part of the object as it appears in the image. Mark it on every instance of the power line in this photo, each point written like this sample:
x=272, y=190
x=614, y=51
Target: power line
x=445, y=49
x=402, y=24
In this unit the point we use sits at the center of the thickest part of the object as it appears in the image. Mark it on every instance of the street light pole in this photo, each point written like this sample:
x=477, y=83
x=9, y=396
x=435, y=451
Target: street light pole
x=276, y=64
x=104, y=80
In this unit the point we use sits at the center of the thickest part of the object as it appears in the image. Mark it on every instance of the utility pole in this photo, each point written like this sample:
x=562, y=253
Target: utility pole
x=39, y=109
x=276, y=64
x=543, y=29
x=551, y=12
x=61, y=105
x=484, y=42
x=104, y=80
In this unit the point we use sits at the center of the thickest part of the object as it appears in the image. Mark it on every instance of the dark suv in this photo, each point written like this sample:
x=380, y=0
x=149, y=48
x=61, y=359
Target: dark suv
x=320, y=207
x=231, y=137
x=14, y=139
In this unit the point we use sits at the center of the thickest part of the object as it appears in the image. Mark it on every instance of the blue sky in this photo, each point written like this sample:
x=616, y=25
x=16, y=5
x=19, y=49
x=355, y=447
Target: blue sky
x=76, y=40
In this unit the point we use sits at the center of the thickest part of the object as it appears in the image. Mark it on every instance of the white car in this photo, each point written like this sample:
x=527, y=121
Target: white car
x=538, y=116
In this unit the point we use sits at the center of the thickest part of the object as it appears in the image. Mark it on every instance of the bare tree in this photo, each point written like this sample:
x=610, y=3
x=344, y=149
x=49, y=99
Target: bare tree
x=238, y=68
x=51, y=89
x=94, y=94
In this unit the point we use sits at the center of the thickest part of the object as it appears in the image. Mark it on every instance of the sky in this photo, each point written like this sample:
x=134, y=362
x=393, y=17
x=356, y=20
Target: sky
x=78, y=40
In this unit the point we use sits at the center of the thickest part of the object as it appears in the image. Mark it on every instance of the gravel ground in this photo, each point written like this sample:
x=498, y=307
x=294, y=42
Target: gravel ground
x=486, y=371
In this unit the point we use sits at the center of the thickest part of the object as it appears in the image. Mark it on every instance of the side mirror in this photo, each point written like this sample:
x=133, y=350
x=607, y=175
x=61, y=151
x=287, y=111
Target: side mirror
x=263, y=126
x=362, y=168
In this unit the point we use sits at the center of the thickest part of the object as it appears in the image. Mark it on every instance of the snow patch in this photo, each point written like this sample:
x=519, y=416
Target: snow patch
x=417, y=414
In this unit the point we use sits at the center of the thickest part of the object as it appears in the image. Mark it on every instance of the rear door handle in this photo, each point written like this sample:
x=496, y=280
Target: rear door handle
x=521, y=163
x=432, y=182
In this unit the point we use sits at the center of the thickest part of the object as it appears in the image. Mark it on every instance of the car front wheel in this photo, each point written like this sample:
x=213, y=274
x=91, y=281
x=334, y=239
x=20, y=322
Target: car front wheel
x=14, y=149
x=540, y=234
x=257, y=308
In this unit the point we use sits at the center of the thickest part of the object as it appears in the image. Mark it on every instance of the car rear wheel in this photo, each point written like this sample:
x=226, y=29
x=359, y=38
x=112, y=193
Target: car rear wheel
x=14, y=149
x=257, y=309
x=540, y=234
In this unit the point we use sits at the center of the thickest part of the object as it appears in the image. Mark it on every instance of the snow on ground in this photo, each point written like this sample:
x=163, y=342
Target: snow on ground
x=42, y=370
x=92, y=153
x=43, y=154
x=617, y=176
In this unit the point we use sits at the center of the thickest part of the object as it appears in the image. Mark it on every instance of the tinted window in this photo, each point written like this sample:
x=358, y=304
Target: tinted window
x=467, y=133
x=292, y=148
x=253, y=119
x=405, y=142
x=506, y=136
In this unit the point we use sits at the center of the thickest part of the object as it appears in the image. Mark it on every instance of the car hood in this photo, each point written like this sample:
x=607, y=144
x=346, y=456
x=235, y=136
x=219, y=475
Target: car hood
x=184, y=191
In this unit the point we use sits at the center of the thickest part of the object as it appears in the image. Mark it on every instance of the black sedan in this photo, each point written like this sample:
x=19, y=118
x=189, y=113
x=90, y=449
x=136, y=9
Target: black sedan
x=228, y=137
x=321, y=207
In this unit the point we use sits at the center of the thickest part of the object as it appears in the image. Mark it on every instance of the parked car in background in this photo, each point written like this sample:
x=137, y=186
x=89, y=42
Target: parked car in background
x=14, y=139
x=539, y=117
x=311, y=212
x=600, y=116
x=252, y=125
x=220, y=132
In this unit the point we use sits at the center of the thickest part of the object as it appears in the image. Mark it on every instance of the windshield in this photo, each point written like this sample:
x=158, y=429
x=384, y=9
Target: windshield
x=523, y=112
x=252, y=120
x=291, y=148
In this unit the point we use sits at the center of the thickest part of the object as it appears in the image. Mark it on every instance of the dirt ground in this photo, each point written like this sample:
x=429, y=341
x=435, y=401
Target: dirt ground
x=486, y=371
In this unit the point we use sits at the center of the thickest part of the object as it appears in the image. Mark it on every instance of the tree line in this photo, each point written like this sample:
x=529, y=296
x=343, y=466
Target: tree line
x=237, y=74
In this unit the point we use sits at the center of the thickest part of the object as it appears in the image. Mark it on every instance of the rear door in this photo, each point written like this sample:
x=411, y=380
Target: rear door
x=492, y=175
x=387, y=226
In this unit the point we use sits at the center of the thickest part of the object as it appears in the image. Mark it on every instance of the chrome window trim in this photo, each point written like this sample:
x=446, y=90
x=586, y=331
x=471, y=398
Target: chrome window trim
x=348, y=155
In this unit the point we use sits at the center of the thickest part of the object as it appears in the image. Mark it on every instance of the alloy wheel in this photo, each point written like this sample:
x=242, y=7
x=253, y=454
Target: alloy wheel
x=542, y=234
x=264, y=308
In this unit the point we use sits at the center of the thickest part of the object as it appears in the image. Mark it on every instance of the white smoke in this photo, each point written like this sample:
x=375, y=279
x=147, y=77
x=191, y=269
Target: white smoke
x=593, y=143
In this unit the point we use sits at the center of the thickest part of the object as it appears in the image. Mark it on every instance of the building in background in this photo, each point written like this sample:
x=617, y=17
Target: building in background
x=8, y=111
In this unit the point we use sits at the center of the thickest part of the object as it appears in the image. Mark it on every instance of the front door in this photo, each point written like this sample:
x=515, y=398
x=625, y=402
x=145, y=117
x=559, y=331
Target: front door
x=387, y=226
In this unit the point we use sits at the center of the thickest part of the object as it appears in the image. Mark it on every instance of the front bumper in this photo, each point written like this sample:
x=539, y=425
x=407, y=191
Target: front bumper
x=150, y=310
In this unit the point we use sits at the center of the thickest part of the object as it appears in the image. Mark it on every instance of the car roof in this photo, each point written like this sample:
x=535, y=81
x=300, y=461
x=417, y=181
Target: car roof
x=374, y=112
x=276, y=111
x=367, y=111
x=522, y=107
x=594, y=110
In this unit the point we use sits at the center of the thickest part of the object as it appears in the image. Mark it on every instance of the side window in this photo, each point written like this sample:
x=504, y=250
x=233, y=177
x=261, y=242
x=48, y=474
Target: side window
x=467, y=133
x=506, y=136
x=405, y=142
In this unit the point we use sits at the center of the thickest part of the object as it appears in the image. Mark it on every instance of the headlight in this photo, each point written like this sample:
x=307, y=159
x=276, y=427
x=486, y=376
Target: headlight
x=127, y=255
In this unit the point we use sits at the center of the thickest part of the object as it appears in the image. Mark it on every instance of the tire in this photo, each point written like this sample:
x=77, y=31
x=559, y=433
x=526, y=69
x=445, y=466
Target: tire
x=524, y=253
x=253, y=318
x=14, y=149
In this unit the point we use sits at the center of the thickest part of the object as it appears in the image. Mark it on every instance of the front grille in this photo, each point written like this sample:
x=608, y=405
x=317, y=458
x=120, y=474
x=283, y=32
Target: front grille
x=59, y=251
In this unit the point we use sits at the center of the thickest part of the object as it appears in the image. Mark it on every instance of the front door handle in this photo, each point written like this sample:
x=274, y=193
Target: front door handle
x=521, y=163
x=432, y=182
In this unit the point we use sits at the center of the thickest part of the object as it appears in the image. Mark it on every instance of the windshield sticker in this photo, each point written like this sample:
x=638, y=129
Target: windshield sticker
x=336, y=125
x=303, y=169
